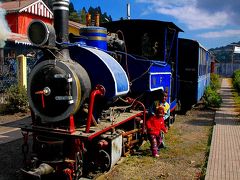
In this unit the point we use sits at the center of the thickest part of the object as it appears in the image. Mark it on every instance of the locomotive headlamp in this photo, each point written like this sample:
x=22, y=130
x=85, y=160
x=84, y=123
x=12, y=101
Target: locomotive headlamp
x=40, y=33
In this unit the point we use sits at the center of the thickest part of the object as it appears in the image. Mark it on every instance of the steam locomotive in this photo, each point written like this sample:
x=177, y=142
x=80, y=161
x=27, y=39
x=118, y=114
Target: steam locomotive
x=89, y=94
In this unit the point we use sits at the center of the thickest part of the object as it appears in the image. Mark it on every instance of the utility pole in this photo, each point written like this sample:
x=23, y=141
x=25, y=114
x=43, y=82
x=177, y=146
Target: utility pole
x=128, y=11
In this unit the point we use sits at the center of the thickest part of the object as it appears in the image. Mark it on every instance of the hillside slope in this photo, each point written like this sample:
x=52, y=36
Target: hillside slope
x=224, y=54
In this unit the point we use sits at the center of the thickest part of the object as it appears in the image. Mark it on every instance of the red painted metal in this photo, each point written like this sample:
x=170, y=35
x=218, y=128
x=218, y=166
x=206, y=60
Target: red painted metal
x=18, y=22
x=42, y=97
x=68, y=172
x=102, y=144
x=43, y=102
x=99, y=90
x=72, y=125
x=113, y=126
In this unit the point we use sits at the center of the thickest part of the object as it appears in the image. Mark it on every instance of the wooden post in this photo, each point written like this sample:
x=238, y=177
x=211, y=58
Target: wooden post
x=22, y=70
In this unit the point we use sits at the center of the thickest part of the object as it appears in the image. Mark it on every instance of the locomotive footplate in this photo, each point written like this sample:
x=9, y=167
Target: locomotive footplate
x=103, y=126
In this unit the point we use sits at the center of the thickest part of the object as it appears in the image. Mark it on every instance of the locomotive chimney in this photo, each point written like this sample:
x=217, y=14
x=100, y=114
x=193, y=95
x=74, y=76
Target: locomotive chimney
x=61, y=11
x=61, y=17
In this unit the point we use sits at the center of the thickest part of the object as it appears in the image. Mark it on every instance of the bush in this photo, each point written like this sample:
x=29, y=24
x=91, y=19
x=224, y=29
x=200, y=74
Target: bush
x=212, y=98
x=214, y=83
x=16, y=99
x=236, y=80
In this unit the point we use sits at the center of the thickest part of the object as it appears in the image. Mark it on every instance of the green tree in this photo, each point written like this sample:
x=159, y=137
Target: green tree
x=73, y=14
x=103, y=16
x=48, y=3
x=83, y=16
x=71, y=8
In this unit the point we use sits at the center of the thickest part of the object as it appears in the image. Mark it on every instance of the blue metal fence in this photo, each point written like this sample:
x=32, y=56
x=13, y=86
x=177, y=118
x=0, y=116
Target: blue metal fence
x=226, y=69
x=8, y=74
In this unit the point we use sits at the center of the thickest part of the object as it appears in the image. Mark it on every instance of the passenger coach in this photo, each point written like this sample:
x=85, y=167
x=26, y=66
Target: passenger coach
x=194, y=72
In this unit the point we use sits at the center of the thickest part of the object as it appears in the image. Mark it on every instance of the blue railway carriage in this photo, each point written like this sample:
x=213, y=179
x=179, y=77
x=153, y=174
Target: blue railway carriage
x=194, y=72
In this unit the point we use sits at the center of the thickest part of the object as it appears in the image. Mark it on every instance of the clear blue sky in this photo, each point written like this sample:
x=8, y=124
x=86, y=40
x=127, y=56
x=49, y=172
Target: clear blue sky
x=214, y=23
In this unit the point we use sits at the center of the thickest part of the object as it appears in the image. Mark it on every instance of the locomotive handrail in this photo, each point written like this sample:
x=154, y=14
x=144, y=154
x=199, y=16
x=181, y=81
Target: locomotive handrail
x=171, y=45
x=144, y=115
x=99, y=90
x=154, y=61
x=142, y=73
x=132, y=101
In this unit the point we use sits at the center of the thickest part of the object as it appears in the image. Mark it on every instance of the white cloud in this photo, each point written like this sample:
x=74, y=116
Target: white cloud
x=187, y=12
x=221, y=34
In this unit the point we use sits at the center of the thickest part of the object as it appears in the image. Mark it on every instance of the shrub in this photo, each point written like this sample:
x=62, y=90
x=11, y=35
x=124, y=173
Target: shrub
x=16, y=99
x=214, y=83
x=236, y=80
x=212, y=98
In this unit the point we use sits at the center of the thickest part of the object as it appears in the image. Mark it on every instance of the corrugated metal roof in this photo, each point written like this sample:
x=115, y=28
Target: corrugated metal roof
x=37, y=7
x=75, y=24
x=16, y=5
x=18, y=39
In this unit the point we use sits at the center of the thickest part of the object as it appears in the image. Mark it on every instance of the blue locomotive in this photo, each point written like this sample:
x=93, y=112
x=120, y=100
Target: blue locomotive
x=89, y=94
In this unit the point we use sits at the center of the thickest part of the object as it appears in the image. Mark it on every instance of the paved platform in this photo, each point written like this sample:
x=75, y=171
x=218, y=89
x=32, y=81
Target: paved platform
x=224, y=157
x=10, y=130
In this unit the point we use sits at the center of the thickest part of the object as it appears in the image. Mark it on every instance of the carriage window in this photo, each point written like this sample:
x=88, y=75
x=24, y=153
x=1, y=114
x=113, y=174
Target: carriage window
x=147, y=45
x=202, y=61
x=152, y=46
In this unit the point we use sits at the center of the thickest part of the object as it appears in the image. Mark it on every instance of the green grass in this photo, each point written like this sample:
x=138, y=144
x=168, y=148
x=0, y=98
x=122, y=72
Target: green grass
x=175, y=148
x=204, y=167
x=236, y=97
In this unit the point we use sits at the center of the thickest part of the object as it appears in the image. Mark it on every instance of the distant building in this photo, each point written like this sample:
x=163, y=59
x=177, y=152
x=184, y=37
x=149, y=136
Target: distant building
x=74, y=27
x=21, y=12
x=214, y=64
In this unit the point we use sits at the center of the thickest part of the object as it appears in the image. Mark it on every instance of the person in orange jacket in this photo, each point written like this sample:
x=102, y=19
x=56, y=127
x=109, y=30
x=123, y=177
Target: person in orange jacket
x=155, y=125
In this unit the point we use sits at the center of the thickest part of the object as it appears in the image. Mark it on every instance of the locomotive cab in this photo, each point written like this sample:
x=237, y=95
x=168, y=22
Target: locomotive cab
x=150, y=56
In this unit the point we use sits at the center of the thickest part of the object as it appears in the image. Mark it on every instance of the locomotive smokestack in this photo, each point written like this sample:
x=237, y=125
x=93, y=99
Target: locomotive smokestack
x=61, y=17
x=61, y=13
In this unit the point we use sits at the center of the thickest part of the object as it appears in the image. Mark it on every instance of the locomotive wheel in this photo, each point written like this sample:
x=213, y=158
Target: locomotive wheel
x=103, y=161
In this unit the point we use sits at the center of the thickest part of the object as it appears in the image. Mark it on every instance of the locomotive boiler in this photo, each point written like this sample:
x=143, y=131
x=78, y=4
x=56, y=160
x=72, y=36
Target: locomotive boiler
x=89, y=94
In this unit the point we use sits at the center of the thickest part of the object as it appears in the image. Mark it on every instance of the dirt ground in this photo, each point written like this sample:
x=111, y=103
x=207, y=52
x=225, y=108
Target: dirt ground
x=184, y=157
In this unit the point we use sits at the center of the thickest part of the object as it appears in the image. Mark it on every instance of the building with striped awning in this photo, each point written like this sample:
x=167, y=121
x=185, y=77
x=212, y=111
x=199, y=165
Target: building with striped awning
x=20, y=13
